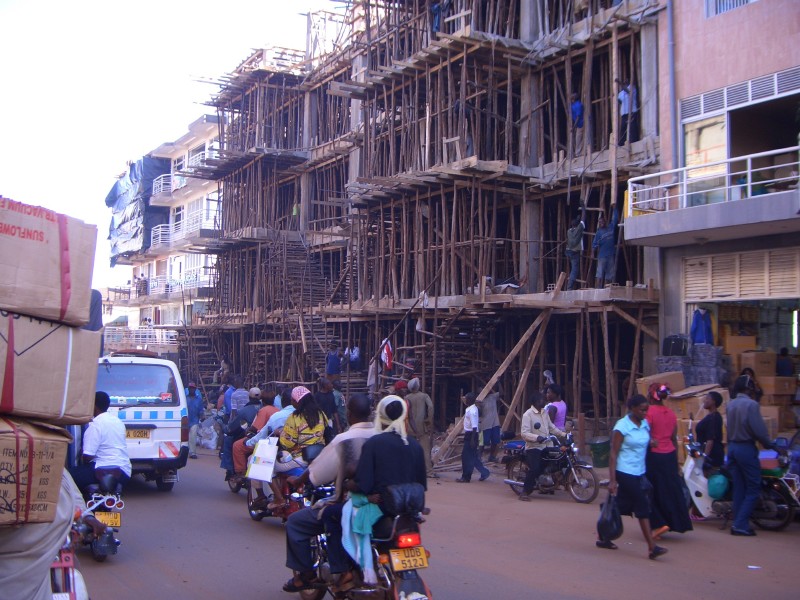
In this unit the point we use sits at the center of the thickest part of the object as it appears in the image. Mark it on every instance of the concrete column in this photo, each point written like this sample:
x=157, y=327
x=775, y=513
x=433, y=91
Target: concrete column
x=649, y=85
x=530, y=225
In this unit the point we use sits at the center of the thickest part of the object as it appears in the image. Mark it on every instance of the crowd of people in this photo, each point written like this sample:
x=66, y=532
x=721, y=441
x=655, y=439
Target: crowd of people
x=643, y=465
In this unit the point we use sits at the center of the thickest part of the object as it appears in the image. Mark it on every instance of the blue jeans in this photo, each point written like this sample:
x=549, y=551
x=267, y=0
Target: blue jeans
x=574, y=263
x=302, y=526
x=745, y=468
x=471, y=457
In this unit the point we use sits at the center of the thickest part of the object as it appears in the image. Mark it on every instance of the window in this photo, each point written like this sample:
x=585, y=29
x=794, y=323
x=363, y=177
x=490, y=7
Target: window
x=705, y=142
x=178, y=164
x=718, y=7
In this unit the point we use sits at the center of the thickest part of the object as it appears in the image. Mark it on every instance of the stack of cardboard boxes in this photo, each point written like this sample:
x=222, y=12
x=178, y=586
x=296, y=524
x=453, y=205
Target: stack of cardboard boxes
x=687, y=404
x=48, y=365
x=778, y=392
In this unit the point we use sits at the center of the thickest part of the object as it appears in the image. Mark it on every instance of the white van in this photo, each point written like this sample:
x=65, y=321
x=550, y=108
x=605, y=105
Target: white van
x=149, y=398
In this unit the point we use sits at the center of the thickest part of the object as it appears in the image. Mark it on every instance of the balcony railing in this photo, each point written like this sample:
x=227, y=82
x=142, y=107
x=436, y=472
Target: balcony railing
x=199, y=159
x=711, y=183
x=166, y=236
x=162, y=184
x=161, y=236
x=193, y=278
x=141, y=338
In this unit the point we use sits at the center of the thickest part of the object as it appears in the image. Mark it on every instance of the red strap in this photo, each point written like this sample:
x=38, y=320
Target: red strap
x=18, y=474
x=66, y=281
x=7, y=398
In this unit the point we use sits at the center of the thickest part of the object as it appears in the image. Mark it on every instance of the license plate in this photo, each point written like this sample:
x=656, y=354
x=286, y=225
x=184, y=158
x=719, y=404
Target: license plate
x=111, y=519
x=405, y=559
x=137, y=434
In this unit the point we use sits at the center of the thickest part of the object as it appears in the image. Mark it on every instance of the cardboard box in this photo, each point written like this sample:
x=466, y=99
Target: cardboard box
x=778, y=385
x=776, y=399
x=702, y=412
x=674, y=379
x=787, y=418
x=47, y=370
x=762, y=363
x=46, y=263
x=772, y=427
x=32, y=456
x=771, y=412
x=736, y=344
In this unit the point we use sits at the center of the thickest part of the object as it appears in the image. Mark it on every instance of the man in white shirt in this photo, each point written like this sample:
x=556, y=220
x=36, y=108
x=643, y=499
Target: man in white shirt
x=104, y=445
x=470, y=454
x=535, y=430
x=628, y=111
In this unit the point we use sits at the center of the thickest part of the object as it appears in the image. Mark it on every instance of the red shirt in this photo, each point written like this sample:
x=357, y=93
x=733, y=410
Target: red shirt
x=663, y=423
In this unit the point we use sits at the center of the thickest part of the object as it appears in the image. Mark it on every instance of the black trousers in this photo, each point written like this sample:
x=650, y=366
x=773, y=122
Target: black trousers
x=534, y=459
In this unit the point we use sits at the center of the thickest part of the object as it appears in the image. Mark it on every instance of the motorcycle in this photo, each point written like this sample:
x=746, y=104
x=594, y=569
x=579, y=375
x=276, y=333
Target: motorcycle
x=105, y=503
x=294, y=499
x=66, y=581
x=397, y=554
x=776, y=505
x=560, y=467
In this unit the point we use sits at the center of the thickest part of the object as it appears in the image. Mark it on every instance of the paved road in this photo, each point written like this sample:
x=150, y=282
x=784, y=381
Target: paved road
x=198, y=542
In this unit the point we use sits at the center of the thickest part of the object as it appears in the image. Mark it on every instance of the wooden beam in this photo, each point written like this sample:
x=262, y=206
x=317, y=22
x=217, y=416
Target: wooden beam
x=636, y=323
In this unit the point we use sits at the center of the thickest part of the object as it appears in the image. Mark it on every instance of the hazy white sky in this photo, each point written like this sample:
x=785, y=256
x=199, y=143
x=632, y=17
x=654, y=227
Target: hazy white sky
x=87, y=85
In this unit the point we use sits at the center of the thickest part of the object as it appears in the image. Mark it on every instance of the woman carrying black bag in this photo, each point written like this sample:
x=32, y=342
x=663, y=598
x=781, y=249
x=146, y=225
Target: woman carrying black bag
x=629, y=443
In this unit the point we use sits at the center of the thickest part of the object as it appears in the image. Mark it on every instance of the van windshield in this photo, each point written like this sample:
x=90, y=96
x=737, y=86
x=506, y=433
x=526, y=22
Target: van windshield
x=138, y=385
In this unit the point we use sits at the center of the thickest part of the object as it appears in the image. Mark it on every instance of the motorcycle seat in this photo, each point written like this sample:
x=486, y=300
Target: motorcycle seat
x=514, y=445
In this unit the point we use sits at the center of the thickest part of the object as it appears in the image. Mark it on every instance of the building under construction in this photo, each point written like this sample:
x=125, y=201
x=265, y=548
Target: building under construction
x=406, y=185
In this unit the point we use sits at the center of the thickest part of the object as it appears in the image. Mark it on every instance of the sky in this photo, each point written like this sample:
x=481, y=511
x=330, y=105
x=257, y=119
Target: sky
x=87, y=85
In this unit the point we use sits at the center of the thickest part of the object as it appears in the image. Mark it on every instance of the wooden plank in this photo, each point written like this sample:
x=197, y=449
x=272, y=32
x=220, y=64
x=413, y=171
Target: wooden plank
x=636, y=323
x=493, y=380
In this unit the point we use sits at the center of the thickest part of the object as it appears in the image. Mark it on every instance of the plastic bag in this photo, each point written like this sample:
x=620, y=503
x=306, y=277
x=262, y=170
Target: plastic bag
x=609, y=525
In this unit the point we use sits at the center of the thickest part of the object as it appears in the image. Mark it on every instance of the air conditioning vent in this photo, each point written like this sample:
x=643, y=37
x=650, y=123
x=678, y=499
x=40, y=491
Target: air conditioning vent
x=789, y=80
x=714, y=101
x=763, y=87
x=737, y=94
x=690, y=107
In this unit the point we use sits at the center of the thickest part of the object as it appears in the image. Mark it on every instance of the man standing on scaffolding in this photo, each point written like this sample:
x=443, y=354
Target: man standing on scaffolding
x=605, y=243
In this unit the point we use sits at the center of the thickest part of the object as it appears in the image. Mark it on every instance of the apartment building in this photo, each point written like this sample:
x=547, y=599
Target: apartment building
x=167, y=219
x=721, y=219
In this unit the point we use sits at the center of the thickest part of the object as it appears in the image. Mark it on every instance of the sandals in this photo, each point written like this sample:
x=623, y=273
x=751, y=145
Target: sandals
x=607, y=544
x=308, y=581
x=656, y=552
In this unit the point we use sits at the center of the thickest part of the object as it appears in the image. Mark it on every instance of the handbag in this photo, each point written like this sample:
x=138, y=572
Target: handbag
x=262, y=462
x=609, y=525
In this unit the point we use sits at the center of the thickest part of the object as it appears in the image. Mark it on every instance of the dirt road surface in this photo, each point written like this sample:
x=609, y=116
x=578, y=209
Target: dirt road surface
x=198, y=542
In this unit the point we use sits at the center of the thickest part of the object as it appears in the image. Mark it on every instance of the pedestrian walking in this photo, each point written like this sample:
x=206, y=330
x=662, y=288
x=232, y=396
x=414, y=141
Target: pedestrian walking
x=470, y=453
x=627, y=479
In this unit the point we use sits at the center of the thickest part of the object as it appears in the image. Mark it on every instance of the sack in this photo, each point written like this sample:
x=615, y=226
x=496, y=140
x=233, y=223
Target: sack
x=609, y=525
x=675, y=345
x=262, y=462
x=404, y=499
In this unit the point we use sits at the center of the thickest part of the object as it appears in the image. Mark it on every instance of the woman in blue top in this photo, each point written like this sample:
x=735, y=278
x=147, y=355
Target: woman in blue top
x=627, y=481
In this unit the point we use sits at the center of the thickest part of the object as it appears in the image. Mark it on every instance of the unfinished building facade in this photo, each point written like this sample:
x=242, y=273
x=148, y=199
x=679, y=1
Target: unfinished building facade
x=411, y=188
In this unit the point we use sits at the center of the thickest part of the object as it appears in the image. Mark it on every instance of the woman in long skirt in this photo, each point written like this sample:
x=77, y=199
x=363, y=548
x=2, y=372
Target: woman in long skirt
x=670, y=511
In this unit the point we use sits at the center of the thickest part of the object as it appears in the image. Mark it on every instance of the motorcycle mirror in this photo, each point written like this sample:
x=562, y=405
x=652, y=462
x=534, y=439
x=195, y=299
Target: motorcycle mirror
x=691, y=417
x=537, y=426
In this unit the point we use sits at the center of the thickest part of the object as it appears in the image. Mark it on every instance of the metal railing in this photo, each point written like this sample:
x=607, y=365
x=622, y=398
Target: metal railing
x=199, y=159
x=193, y=278
x=166, y=235
x=118, y=338
x=162, y=184
x=711, y=183
x=161, y=236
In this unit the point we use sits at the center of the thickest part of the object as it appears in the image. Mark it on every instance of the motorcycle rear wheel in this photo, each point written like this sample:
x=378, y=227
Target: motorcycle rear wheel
x=584, y=489
x=235, y=484
x=783, y=510
x=315, y=594
x=255, y=513
x=517, y=470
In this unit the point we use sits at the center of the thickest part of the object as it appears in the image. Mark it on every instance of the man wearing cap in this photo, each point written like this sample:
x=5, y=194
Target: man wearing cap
x=745, y=427
x=420, y=409
x=194, y=409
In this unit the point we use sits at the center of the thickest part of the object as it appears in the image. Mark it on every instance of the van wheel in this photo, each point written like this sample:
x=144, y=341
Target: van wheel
x=164, y=486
